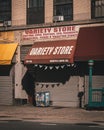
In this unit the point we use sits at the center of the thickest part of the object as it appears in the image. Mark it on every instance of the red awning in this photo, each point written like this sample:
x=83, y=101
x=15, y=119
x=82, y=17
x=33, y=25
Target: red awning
x=90, y=44
x=51, y=52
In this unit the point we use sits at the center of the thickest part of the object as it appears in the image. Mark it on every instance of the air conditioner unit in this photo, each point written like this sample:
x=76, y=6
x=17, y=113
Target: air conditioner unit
x=58, y=18
x=7, y=23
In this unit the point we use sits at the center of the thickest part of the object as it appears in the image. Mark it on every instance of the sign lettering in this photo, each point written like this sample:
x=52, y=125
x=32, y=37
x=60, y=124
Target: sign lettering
x=58, y=50
x=53, y=33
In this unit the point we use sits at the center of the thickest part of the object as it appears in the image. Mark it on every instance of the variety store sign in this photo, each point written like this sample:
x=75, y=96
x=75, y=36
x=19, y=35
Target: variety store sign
x=58, y=50
x=51, y=52
x=53, y=33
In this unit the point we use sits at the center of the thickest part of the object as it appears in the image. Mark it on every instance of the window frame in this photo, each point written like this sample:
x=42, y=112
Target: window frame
x=63, y=5
x=39, y=8
x=5, y=13
x=97, y=10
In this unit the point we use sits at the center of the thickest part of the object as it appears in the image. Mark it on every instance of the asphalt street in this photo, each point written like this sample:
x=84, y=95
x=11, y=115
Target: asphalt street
x=29, y=125
x=49, y=118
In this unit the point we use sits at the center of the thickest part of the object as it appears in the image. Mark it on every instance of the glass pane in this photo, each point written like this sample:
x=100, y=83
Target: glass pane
x=36, y=3
x=41, y=3
x=62, y=1
x=32, y=3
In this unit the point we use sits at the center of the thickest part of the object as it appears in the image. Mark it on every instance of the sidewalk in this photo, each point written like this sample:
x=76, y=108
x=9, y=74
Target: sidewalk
x=50, y=114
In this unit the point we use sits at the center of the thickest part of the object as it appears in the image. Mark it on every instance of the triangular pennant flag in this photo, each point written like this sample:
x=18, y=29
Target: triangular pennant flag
x=57, y=67
x=40, y=66
x=51, y=67
x=45, y=67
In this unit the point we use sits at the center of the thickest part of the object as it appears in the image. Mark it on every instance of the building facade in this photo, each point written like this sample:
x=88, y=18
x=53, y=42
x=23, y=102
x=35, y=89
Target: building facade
x=47, y=23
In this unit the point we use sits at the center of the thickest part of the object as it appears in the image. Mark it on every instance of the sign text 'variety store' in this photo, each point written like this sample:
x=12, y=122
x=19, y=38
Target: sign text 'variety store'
x=58, y=50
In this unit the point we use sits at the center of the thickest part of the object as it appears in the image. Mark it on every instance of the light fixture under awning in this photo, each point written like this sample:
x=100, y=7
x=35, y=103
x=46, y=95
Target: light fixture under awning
x=7, y=52
x=51, y=52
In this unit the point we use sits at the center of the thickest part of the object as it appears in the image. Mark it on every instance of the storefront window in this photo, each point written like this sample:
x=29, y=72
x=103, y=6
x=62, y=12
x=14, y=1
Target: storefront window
x=35, y=11
x=97, y=8
x=64, y=8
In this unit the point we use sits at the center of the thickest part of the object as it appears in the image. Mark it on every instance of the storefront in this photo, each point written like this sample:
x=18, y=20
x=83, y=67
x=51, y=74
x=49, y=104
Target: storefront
x=51, y=64
x=50, y=61
x=90, y=55
x=7, y=61
x=60, y=65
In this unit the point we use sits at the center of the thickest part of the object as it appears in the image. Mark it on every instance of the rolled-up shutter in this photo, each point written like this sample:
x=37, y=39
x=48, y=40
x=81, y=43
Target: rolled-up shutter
x=24, y=50
x=6, y=90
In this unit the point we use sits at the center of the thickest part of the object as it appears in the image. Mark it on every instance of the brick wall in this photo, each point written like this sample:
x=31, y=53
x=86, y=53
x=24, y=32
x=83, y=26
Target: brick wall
x=18, y=12
x=48, y=11
x=82, y=9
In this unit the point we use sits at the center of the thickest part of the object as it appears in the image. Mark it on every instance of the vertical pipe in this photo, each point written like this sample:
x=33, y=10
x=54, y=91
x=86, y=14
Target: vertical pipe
x=90, y=63
x=90, y=84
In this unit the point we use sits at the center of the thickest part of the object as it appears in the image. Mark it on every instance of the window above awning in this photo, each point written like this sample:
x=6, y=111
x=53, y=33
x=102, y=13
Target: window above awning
x=51, y=52
x=90, y=44
x=7, y=52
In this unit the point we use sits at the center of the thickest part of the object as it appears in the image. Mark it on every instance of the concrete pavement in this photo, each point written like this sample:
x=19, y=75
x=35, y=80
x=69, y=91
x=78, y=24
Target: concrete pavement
x=51, y=114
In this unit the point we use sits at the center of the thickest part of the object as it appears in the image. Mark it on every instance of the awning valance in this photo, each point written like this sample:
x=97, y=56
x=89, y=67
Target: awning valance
x=51, y=52
x=7, y=52
x=90, y=44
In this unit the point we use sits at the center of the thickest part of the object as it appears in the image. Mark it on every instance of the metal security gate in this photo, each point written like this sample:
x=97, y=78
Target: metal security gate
x=24, y=50
x=97, y=91
x=6, y=90
x=64, y=95
x=97, y=97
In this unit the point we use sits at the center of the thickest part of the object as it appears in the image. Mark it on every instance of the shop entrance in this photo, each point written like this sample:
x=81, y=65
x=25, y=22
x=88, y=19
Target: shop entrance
x=54, y=84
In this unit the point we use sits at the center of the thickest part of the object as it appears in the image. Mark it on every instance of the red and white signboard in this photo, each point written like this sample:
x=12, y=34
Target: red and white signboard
x=52, y=33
